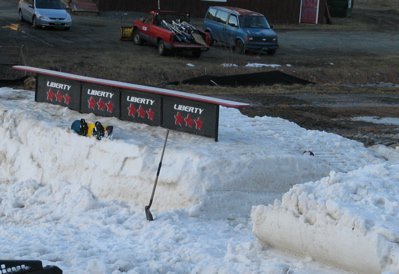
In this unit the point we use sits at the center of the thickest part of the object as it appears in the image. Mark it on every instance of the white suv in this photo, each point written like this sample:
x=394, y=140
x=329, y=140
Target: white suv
x=44, y=13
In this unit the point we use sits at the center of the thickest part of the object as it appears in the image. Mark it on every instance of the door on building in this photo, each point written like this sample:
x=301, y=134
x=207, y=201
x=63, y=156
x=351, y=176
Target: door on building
x=309, y=11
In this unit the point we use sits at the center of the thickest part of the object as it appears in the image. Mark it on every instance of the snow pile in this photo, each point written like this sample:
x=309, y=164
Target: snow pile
x=349, y=220
x=254, y=162
x=79, y=203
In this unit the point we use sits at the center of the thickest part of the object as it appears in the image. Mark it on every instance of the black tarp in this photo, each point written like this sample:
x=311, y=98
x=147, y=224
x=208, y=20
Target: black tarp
x=267, y=78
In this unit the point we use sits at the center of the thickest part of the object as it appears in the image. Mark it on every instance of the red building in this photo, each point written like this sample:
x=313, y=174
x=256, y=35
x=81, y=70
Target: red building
x=277, y=11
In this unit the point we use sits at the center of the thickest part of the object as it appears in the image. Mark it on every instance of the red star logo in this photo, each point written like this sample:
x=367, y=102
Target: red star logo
x=59, y=96
x=110, y=107
x=131, y=110
x=101, y=104
x=178, y=119
x=92, y=103
x=67, y=99
x=198, y=123
x=141, y=112
x=189, y=121
x=150, y=114
x=50, y=95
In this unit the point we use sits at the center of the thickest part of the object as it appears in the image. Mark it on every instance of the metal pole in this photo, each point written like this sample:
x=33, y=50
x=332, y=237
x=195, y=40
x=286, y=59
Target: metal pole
x=159, y=4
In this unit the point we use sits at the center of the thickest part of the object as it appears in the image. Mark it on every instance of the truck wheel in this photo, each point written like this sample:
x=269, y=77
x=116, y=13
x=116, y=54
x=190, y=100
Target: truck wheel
x=239, y=47
x=196, y=53
x=161, y=48
x=136, y=38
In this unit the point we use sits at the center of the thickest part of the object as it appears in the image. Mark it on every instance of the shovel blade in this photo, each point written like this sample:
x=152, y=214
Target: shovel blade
x=148, y=214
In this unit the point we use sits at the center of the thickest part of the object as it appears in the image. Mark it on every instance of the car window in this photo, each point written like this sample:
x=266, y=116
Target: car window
x=49, y=4
x=221, y=16
x=211, y=14
x=233, y=21
x=251, y=21
x=149, y=19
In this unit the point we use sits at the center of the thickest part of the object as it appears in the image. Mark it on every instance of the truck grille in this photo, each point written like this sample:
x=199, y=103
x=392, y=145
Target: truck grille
x=263, y=39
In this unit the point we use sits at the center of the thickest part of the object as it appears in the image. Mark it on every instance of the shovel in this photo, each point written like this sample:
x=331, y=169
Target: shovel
x=147, y=207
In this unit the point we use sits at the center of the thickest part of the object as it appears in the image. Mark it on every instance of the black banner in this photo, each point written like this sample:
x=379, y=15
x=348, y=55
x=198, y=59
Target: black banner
x=141, y=107
x=190, y=116
x=100, y=100
x=58, y=91
x=176, y=113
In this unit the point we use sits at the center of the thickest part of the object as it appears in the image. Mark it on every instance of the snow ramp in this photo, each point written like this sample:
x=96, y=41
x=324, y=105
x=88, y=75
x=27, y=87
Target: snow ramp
x=346, y=220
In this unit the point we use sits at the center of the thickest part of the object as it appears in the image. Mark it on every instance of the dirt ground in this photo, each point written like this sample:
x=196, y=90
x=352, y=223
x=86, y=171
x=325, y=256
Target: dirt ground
x=353, y=62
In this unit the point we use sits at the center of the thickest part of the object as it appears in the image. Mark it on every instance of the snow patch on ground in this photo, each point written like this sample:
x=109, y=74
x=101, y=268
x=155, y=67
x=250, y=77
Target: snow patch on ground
x=260, y=65
x=378, y=120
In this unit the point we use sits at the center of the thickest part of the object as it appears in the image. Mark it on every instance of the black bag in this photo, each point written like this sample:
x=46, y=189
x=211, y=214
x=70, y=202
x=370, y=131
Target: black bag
x=27, y=266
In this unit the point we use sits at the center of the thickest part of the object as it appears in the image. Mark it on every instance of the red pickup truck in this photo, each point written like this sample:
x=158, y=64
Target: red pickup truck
x=170, y=31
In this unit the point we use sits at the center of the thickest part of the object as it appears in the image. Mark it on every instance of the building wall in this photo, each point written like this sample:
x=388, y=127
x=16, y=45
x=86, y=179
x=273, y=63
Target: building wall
x=277, y=11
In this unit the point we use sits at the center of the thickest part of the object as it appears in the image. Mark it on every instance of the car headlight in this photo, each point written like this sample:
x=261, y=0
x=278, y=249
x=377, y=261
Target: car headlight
x=41, y=17
x=274, y=39
x=250, y=38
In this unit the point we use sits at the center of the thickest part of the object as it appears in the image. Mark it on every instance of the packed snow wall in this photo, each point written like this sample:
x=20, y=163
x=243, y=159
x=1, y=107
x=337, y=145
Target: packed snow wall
x=346, y=220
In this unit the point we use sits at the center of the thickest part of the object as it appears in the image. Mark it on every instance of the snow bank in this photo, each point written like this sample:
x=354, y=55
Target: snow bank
x=78, y=203
x=348, y=220
x=255, y=161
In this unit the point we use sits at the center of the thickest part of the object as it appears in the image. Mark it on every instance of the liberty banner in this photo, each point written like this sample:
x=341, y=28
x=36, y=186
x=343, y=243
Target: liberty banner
x=140, y=107
x=191, y=116
x=100, y=100
x=58, y=91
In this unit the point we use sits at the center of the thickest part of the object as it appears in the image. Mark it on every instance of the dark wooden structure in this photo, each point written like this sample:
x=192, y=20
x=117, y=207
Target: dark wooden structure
x=277, y=11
